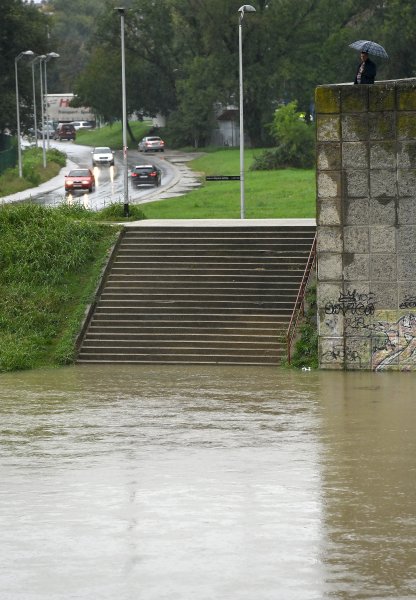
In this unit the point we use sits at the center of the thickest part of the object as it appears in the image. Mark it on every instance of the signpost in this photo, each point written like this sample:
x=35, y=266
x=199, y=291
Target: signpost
x=222, y=178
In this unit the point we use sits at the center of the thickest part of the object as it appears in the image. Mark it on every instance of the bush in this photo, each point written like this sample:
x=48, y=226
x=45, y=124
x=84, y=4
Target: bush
x=306, y=347
x=116, y=211
x=56, y=156
x=295, y=142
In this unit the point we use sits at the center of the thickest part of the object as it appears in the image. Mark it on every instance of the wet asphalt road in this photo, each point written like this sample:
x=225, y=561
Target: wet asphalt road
x=109, y=180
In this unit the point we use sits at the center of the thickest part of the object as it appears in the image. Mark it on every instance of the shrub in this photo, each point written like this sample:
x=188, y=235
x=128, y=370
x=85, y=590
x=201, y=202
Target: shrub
x=306, y=347
x=116, y=211
x=295, y=142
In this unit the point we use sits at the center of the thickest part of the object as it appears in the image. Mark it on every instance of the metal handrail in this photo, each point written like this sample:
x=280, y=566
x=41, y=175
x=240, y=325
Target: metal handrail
x=300, y=300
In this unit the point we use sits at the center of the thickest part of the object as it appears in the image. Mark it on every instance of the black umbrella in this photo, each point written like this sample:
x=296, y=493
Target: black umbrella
x=369, y=47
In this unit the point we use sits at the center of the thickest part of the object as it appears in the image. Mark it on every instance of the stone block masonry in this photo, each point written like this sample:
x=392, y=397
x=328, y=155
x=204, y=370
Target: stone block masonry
x=366, y=218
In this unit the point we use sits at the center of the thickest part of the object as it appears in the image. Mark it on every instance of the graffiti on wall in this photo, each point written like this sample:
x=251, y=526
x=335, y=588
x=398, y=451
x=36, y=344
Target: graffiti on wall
x=392, y=333
x=352, y=303
x=398, y=344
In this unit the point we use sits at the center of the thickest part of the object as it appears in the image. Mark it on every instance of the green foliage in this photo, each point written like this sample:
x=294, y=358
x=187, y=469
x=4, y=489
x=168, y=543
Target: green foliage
x=112, y=135
x=115, y=211
x=56, y=156
x=49, y=264
x=22, y=27
x=32, y=170
x=306, y=347
x=295, y=141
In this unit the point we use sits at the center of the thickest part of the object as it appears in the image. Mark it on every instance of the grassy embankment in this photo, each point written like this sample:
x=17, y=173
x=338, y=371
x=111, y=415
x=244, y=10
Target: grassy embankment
x=112, y=135
x=50, y=262
x=33, y=171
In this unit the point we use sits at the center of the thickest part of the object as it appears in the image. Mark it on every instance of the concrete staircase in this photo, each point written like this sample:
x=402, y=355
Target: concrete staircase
x=198, y=295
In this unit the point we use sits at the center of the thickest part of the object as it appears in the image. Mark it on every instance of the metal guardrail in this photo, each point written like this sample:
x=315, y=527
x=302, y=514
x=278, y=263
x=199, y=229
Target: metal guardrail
x=299, y=308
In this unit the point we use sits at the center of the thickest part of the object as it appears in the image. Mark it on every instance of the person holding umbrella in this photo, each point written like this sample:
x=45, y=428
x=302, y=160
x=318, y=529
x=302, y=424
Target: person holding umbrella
x=366, y=70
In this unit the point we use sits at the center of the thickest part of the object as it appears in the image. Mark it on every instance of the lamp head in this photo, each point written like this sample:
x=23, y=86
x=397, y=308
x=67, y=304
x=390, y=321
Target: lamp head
x=246, y=8
x=50, y=55
x=25, y=53
x=120, y=9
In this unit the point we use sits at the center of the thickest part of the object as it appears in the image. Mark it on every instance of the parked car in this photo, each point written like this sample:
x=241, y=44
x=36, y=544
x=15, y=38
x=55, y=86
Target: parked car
x=148, y=174
x=48, y=129
x=102, y=155
x=79, y=179
x=151, y=143
x=65, y=131
x=81, y=125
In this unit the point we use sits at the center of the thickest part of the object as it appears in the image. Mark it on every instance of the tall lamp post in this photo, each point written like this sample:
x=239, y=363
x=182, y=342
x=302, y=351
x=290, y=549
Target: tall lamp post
x=19, y=144
x=35, y=118
x=42, y=109
x=121, y=12
x=242, y=10
x=47, y=58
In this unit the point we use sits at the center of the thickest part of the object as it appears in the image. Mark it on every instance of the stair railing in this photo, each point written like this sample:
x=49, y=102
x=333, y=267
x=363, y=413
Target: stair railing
x=299, y=308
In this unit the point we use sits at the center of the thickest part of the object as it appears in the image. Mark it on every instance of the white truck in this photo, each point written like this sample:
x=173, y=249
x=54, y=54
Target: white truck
x=60, y=111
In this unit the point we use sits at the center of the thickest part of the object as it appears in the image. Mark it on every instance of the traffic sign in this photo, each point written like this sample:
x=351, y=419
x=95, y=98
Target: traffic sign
x=222, y=178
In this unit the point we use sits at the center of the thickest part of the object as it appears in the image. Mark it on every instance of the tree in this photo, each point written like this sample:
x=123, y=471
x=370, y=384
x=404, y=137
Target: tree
x=22, y=27
x=181, y=54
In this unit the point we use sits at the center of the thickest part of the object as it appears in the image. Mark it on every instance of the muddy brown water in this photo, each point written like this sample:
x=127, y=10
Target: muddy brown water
x=207, y=483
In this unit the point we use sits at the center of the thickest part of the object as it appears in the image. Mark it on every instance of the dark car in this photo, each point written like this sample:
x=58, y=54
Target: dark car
x=65, y=131
x=148, y=174
x=79, y=179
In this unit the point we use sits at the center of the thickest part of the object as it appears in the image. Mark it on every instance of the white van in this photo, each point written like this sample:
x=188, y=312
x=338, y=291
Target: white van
x=81, y=125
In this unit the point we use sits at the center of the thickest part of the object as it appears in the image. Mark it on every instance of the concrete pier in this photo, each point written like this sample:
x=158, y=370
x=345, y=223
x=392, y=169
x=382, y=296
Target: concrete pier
x=366, y=217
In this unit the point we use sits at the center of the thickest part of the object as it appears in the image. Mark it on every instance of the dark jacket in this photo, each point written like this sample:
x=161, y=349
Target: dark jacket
x=369, y=72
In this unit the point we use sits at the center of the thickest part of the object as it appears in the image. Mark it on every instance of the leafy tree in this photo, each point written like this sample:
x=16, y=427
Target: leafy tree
x=181, y=54
x=72, y=25
x=22, y=27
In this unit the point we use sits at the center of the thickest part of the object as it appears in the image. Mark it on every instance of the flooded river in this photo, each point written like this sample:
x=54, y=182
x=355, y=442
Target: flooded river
x=207, y=483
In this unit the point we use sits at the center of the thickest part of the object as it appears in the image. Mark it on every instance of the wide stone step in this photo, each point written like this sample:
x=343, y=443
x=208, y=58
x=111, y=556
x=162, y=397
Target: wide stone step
x=159, y=270
x=204, y=295
x=177, y=359
x=226, y=235
x=198, y=302
x=180, y=344
x=185, y=337
x=257, y=278
x=175, y=312
x=191, y=285
x=196, y=318
x=165, y=329
x=298, y=249
x=209, y=261
x=177, y=355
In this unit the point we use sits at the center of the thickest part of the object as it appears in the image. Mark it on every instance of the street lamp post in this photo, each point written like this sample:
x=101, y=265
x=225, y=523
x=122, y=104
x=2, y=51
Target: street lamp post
x=47, y=58
x=121, y=12
x=242, y=10
x=35, y=118
x=42, y=109
x=19, y=144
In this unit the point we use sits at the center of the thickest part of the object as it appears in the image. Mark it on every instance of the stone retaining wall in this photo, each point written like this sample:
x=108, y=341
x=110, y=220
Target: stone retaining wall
x=366, y=217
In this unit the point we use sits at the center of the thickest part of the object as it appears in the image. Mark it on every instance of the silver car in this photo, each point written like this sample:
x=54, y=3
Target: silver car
x=151, y=143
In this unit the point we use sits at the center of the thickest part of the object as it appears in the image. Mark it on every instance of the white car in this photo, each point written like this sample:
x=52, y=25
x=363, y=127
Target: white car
x=102, y=155
x=81, y=125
